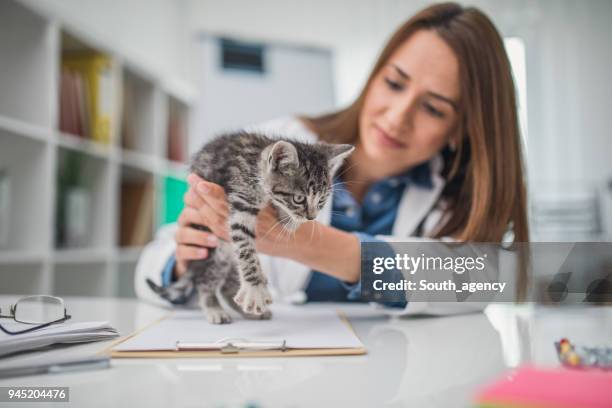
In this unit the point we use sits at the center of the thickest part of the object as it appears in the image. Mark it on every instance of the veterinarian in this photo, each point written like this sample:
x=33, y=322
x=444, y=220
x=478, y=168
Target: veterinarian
x=437, y=157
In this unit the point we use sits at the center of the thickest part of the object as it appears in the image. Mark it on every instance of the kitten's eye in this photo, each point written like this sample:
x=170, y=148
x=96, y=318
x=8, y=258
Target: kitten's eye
x=299, y=199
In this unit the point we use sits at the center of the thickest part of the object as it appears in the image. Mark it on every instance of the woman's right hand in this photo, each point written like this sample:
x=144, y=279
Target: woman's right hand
x=206, y=205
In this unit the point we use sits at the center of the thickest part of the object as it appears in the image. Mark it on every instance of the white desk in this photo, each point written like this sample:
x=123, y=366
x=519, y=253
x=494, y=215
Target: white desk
x=417, y=362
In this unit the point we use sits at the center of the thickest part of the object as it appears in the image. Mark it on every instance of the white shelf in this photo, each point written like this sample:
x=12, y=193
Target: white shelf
x=21, y=128
x=128, y=254
x=140, y=161
x=22, y=257
x=81, y=255
x=82, y=145
x=33, y=151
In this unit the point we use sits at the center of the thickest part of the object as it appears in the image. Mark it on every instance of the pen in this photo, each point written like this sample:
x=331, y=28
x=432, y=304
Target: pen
x=57, y=367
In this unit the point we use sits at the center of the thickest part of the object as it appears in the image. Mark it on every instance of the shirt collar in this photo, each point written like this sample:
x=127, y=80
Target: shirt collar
x=419, y=175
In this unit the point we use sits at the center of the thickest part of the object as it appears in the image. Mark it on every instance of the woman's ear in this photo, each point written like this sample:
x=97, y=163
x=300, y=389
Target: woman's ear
x=454, y=139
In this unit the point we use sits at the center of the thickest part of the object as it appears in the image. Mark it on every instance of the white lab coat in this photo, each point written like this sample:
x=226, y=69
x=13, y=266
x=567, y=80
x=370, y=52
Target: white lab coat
x=288, y=279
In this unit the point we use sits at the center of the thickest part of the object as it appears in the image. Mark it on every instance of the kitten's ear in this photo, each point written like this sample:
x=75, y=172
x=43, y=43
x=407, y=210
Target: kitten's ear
x=282, y=157
x=336, y=154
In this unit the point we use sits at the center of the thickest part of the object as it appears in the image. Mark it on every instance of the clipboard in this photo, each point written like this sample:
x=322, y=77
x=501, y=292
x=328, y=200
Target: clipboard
x=239, y=346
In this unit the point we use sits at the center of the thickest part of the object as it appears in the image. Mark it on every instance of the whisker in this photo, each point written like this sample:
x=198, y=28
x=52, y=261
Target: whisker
x=345, y=169
x=283, y=227
x=271, y=228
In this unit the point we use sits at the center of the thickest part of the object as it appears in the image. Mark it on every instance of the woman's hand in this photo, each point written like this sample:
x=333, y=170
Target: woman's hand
x=206, y=205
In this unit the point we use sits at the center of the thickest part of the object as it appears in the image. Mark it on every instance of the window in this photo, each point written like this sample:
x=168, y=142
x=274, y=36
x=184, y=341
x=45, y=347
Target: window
x=515, y=48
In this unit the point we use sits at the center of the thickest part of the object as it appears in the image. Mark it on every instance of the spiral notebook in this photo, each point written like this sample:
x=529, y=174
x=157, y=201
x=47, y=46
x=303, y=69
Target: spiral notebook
x=293, y=331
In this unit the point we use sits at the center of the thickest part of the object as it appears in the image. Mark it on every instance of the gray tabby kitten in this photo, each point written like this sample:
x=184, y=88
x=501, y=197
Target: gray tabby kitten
x=295, y=178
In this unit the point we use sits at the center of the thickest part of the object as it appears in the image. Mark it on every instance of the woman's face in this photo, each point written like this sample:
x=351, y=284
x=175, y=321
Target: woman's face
x=410, y=108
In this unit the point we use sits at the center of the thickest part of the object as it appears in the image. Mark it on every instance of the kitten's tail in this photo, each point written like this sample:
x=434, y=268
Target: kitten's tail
x=178, y=292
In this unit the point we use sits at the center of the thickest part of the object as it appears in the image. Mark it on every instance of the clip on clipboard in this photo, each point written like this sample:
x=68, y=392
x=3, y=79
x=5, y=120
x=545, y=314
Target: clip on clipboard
x=232, y=345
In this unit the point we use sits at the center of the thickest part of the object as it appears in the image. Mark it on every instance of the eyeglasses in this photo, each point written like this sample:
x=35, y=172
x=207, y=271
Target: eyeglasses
x=40, y=310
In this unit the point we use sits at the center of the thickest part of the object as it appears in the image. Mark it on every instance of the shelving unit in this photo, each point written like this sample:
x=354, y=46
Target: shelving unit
x=40, y=256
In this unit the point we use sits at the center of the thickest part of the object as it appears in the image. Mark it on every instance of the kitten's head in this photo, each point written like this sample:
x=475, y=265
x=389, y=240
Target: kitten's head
x=298, y=177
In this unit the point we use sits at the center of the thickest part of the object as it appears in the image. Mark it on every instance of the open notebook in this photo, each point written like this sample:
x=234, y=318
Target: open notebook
x=293, y=330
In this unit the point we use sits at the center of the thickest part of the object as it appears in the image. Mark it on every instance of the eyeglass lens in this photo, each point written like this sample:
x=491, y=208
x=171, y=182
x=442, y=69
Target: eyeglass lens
x=39, y=309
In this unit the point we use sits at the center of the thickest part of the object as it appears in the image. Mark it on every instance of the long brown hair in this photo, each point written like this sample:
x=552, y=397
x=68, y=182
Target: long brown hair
x=485, y=191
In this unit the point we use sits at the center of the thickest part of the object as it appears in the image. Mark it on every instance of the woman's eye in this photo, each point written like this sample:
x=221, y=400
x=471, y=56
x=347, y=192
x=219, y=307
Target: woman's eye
x=433, y=111
x=299, y=199
x=395, y=86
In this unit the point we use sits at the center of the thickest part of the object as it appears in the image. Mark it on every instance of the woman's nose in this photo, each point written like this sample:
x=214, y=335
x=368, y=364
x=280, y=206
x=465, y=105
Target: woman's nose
x=400, y=114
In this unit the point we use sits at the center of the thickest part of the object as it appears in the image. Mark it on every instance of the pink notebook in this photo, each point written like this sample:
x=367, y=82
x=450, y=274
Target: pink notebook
x=547, y=388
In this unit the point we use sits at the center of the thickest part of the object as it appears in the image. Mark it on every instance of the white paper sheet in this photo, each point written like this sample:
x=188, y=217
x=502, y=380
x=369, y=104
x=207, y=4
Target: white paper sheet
x=300, y=327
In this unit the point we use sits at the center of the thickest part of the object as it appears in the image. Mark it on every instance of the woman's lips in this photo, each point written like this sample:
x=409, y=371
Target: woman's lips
x=385, y=140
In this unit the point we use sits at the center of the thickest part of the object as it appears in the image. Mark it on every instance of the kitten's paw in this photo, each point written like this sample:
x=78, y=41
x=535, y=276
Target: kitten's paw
x=267, y=315
x=218, y=317
x=253, y=299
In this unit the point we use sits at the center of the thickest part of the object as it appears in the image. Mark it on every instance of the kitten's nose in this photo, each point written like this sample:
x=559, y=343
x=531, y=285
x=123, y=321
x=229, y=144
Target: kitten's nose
x=310, y=217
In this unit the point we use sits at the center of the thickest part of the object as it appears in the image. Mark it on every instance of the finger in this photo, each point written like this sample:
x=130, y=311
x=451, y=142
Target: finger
x=188, y=253
x=191, y=236
x=190, y=216
x=216, y=224
x=194, y=179
x=192, y=199
x=214, y=195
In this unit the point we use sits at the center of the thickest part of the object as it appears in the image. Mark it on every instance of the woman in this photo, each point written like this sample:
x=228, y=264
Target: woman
x=437, y=156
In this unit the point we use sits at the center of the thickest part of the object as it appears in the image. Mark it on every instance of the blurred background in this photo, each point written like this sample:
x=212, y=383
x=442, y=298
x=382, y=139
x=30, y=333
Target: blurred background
x=102, y=102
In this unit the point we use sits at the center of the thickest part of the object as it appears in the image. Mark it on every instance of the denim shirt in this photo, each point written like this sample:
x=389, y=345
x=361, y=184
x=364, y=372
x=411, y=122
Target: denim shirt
x=374, y=216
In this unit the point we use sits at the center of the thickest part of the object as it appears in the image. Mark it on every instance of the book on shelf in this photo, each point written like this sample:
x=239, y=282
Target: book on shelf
x=171, y=199
x=78, y=216
x=5, y=207
x=136, y=227
x=74, y=202
x=87, y=95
